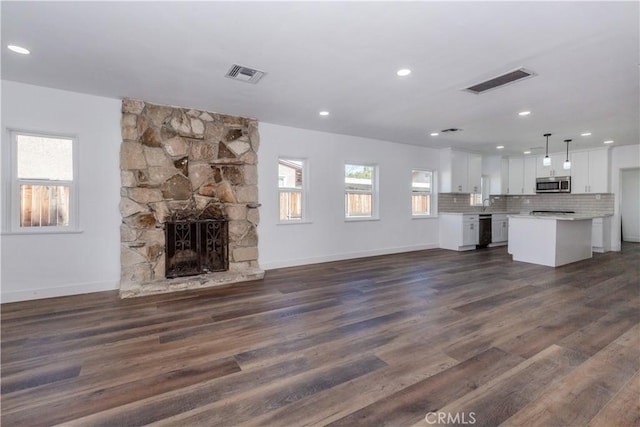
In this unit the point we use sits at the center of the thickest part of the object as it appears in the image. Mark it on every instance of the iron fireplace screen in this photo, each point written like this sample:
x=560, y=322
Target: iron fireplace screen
x=196, y=247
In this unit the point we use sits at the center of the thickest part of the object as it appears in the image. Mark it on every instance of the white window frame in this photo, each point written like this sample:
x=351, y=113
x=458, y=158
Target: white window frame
x=304, y=206
x=375, y=211
x=11, y=225
x=430, y=193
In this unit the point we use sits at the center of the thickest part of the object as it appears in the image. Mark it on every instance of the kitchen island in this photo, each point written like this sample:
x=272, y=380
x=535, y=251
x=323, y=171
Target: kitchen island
x=551, y=240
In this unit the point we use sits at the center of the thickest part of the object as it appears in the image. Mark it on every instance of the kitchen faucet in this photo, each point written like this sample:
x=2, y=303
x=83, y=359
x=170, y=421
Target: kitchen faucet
x=483, y=206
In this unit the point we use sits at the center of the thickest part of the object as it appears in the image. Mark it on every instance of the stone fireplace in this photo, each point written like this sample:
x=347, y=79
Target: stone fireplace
x=187, y=167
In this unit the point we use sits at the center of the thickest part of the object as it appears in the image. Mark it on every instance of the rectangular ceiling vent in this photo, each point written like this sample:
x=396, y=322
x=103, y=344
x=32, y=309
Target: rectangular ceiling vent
x=244, y=74
x=504, y=79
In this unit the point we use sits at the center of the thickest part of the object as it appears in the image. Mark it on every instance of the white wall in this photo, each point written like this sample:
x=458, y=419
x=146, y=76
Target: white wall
x=328, y=236
x=62, y=264
x=622, y=157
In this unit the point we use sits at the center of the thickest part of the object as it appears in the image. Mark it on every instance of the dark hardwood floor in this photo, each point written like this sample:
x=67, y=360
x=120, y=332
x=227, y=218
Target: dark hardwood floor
x=416, y=339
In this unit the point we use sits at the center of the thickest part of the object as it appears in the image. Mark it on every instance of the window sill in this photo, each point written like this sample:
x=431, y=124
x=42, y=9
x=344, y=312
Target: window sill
x=294, y=222
x=355, y=219
x=40, y=232
x=424, y=216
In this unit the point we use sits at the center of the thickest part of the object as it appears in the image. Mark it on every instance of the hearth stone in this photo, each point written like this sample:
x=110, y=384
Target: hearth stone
x=193, y=283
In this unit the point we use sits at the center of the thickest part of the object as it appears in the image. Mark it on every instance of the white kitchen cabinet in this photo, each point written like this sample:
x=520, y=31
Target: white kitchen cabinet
x=460, y=172
x=459, y=232
x=460, y=168
x=470, y=231
x=453, y=171
x=589, y=171
x=601, y=234
x=522, y=175
x=497, y=169
x=599, y=171
x=556, y=168
x=580, y=172
x=516, y=175
x=474, y=169
x=529, y=178
x=499, y=228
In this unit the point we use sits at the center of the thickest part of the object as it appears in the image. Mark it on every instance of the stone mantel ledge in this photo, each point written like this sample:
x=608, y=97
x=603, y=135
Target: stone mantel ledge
x=201, y=281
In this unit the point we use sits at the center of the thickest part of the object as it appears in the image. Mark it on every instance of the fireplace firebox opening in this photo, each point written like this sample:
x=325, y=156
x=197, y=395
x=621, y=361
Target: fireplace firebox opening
x=196, y=247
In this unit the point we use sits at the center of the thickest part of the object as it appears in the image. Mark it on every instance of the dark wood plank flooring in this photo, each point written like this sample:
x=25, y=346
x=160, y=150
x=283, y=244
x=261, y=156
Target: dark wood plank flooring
x=374, y=341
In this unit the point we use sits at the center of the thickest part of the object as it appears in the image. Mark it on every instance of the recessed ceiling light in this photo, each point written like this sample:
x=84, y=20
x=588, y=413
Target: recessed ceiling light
x=403, y=72
x=524, y=113
x=586, y=134
x=610, y=141
x=324, y=113
x=434, y=134
x=500, y=147
x=527, y=152
x=18, y=49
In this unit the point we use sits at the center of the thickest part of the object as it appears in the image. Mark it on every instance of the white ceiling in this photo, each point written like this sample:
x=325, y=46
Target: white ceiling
x=342, y=57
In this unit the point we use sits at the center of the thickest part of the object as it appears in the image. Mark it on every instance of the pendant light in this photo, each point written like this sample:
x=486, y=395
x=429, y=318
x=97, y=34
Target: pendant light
x=547, y=161
x=567, y=163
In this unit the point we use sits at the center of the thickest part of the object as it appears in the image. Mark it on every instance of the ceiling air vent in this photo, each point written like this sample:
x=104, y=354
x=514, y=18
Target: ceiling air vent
x=245, y=74
x=450, y=130
x=504, y=79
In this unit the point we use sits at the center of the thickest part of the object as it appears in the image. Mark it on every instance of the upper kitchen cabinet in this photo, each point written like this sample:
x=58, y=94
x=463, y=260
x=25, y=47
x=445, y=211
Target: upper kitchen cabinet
x=522, y=175
x=590, y=171
x=529, y=178
x=497, y=169
x=557, y=161
x=475, y=172
x=516, y=175
x=460, y=172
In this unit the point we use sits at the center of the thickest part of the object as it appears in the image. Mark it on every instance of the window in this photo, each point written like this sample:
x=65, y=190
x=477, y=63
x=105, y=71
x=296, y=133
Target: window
x=421, y=188
x=291, y=179
x=44, y=183
x=476, y=199
x=360, y=191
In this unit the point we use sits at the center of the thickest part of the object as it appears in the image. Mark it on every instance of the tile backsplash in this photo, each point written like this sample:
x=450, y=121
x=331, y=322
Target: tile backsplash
x=459, y=202
x=580, y=203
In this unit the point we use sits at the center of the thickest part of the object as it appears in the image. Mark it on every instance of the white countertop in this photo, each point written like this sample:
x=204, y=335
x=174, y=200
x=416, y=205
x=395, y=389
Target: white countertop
x=512, y=214
x=480, y=213
x=568, y=217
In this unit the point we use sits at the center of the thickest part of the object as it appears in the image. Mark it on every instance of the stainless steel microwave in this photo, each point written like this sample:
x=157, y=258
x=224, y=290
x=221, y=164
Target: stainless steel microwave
x=553, y=184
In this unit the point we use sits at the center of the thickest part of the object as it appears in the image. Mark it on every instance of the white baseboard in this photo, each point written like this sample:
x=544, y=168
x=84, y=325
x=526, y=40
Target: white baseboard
x=634, y=239
x=343, y=256
x=79, y=288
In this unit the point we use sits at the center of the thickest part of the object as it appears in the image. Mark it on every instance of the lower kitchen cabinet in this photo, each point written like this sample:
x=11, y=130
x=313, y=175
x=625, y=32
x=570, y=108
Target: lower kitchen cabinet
x=459, y=232
x=601, y=234
x=499, y=229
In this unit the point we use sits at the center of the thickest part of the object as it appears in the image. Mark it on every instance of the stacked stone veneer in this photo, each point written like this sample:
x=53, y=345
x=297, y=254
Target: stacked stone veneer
x=178, y=163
